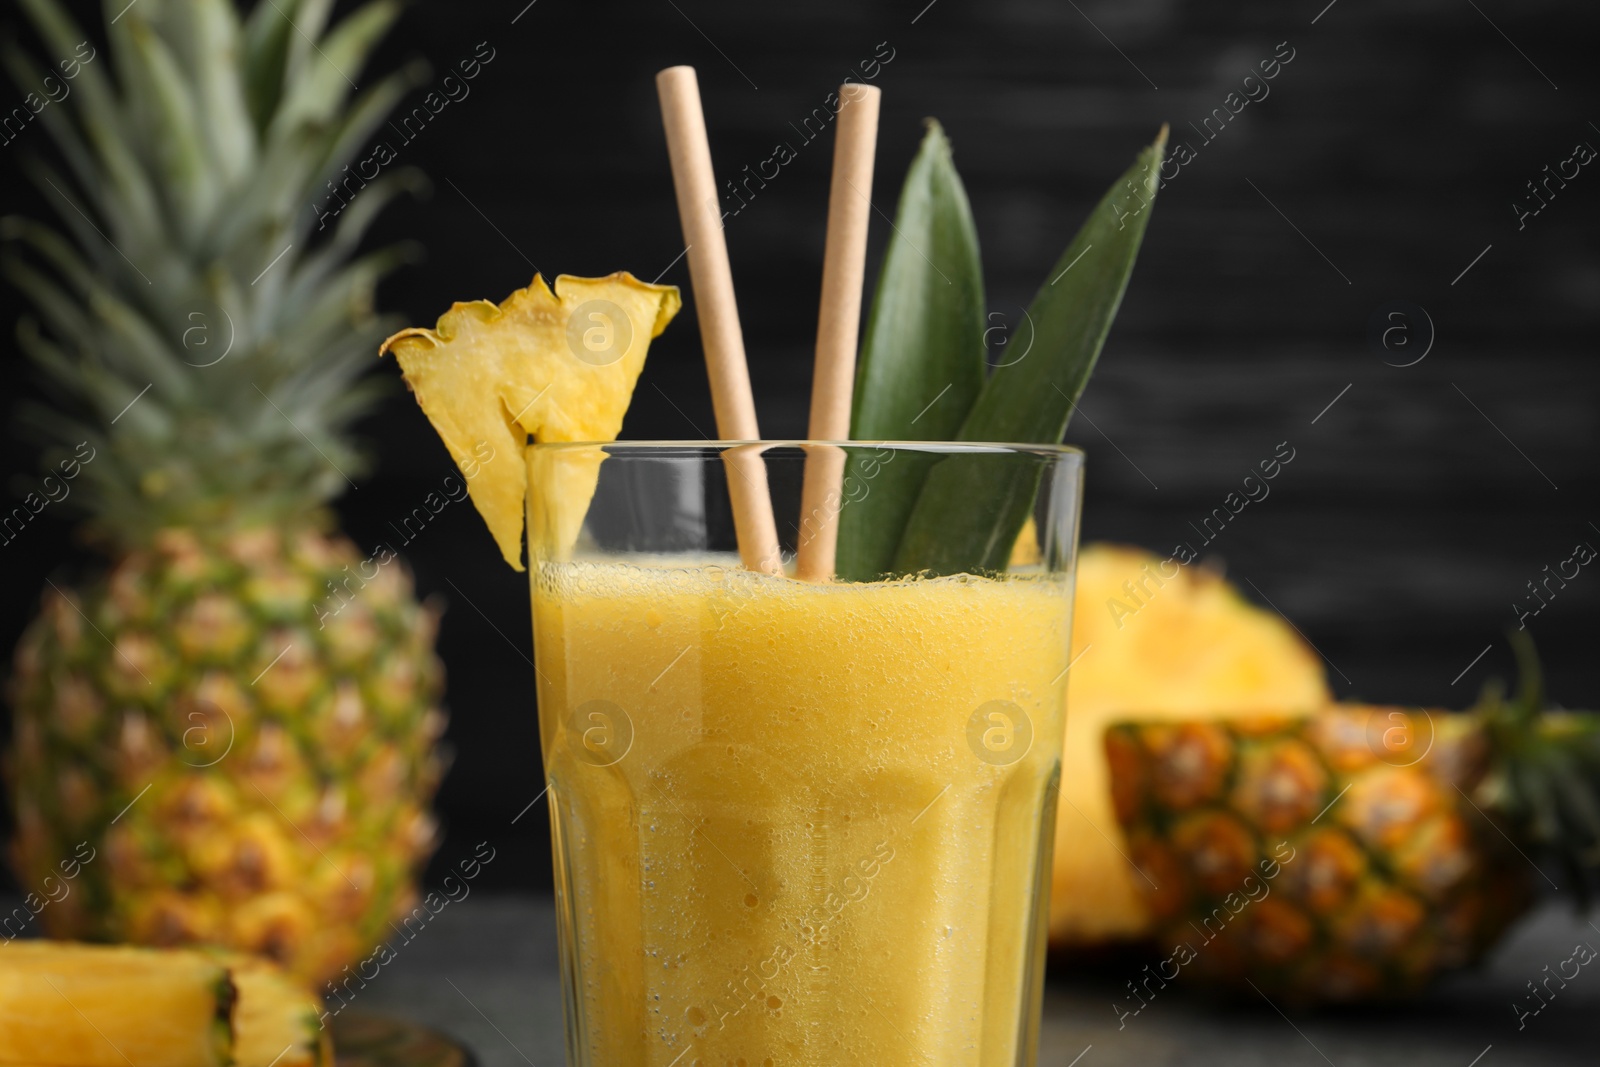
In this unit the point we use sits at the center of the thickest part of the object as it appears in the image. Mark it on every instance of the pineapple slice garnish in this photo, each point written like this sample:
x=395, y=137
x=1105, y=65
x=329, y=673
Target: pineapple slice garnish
x=71, y=1005
x=559, y=366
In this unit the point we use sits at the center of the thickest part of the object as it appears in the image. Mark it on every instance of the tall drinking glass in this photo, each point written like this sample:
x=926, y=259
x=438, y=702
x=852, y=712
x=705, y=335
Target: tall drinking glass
x=798, y=822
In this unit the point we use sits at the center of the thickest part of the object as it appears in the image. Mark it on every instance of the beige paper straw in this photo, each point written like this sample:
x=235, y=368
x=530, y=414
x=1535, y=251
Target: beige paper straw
x=718, y=313
x=838, y=327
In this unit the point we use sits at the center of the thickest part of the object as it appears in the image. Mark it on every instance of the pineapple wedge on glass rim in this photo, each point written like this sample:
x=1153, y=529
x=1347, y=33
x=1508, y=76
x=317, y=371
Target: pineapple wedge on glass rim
x=239, y=716
x=552, y=365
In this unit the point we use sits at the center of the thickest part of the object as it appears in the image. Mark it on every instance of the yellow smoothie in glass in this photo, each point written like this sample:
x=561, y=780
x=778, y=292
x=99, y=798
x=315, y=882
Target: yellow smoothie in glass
x=800, y=823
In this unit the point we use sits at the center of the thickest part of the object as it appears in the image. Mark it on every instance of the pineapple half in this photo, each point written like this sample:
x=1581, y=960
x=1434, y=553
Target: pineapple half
x=1355, y=854
x=232, y=729
x=1163, y=645
x=1331, y=858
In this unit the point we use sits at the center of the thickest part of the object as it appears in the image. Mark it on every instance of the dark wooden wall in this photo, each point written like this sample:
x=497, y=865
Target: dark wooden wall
x=1384, y=160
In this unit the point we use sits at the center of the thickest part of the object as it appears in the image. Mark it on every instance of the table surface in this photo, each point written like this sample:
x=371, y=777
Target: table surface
x=485, y=971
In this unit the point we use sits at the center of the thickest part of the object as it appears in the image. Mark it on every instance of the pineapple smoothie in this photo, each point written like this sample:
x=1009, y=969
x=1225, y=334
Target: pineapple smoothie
x=799, y=823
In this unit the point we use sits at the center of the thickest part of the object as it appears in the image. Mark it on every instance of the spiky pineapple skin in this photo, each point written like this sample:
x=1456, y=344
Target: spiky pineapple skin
x=243, y=727
x=1333, y=858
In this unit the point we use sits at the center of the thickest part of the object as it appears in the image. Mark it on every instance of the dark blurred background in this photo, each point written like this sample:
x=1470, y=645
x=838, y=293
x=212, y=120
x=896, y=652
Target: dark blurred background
x=1382, y=166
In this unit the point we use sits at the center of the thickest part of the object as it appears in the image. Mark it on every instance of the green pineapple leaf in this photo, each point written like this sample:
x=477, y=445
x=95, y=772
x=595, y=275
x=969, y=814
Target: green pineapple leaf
x=353, y=135
x=329, y=74
x=1545, y=777
x=138, y=216
x=348, y=230
x=55, y=248
x=969, y=514
x=61, y=313
x=188, y=178
x=310, y=22
x=224, y=108
x=269, y=196
x=30, y=78
x=922, y=361
x=204, y=40
x=267, y=32
x=189, y=316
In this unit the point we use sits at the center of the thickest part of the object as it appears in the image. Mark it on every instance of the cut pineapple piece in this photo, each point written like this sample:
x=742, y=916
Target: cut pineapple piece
x=69, y=1005
x=276, y=1022
x=1164, y=642
x=560, y=366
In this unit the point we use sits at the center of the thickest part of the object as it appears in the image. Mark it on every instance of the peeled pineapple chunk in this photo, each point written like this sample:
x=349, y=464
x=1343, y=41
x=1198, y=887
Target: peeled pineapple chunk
x=64, y=1004
x=67, y=1005
x=560, y=366
x=1156, y=641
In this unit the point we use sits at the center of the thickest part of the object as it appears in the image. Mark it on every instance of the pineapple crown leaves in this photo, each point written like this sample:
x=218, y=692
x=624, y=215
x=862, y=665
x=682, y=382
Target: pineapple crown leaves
x=195, y=324
x=1546, y=781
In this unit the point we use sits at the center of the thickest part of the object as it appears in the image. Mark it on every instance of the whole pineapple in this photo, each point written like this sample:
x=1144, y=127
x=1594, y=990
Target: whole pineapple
x=1359, y=852
x=233, y=729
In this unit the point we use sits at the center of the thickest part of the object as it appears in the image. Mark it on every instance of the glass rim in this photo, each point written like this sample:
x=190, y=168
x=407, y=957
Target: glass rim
x=667, y=447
